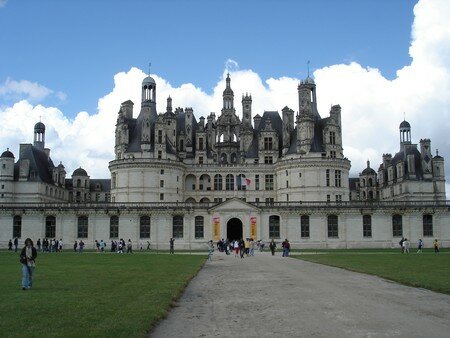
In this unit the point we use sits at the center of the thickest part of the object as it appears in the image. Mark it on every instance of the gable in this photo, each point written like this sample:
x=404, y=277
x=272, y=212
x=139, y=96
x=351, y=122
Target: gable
x=234, y=204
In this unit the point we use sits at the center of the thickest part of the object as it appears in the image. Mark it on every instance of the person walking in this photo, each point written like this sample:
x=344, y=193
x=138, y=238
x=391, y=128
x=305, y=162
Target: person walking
x=210, y=250
x=236, y=248
x=286, y=248
x=272, y=246
x=129, y=246
x=28, y=260
x=406, y=245
x=16, y=244
x=436, y=246
x=10, y=245
x=75, y=246
x=171, y=245
x=401, y=244
x=81, y=246
x=38, y=243
x=148, y=245
x=420, y=246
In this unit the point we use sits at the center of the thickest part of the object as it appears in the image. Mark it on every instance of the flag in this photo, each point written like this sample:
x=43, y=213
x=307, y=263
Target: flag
x=247, y=181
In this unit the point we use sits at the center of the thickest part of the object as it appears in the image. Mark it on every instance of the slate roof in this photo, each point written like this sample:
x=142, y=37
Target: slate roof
x=39, y=163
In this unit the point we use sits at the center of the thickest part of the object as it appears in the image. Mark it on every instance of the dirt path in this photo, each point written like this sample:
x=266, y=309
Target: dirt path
x=265, y=296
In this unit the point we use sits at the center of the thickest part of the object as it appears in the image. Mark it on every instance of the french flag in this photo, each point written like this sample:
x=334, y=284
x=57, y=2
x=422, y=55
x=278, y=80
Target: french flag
x=242, y=181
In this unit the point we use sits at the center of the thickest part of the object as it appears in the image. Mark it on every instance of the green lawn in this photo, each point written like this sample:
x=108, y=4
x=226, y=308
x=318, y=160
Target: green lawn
x=426, y=270
x=91, y=294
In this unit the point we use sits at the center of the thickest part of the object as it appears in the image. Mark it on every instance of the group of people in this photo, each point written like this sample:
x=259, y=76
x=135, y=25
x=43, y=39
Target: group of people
x=405, y=245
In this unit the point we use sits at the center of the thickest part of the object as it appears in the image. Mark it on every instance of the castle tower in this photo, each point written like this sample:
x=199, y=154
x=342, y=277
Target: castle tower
x=405, y=134
x=228, y=97
x=247, y=111
x=39, y=135
x=6, y=176
x=148, y=111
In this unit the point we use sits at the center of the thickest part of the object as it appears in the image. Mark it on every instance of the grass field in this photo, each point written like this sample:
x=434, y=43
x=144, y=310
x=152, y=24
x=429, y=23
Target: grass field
x=91, y=294
x=426, y=270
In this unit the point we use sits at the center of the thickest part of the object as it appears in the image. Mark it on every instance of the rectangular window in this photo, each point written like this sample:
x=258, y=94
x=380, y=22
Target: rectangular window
x=177, y=227
x=83, y=224
x=427, y=225
x=397, y=226
x=274, y=226
x=217, y=182
x=328, y=198
x=144, y=227
x=337, y=178
x=200, y=160
x=161, y=197
x=332, y=137
x=367, y=226
x=159, y=154
x=17, y=226
x=269, y=182
x=162, y=171
x=50, y=226
x=338, y=198
x=217, y=200
x=267, y=143
x=159, y=136
x=327, y=177
x=268, y=159
x=200, y=143
x=161, y=183
x=332, y=154
x=269, y=200
x=256, y=161
x=304, y=226
x=114, y=227
x=256, y=182
x=3, y=186
x=199, y=228
x=333, y=226
x=257, y=200
x=287, y=184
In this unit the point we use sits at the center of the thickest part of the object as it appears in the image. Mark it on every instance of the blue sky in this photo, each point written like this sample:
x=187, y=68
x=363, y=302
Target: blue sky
x=76, y=47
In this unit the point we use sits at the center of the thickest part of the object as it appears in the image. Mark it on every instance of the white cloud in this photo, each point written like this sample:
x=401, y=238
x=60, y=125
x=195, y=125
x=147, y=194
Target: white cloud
x=23, y=89
x=372, y=106
x=3, y=3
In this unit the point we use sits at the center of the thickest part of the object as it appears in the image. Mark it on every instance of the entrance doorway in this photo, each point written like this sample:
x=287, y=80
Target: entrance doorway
x=234, y=229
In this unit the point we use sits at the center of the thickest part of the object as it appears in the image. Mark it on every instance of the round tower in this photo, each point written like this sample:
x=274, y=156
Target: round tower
x=39, y=135
x=6, y=176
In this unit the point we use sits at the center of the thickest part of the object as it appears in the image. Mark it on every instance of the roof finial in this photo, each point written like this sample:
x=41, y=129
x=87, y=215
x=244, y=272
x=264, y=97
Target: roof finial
x=307, y=66
x=404, y=116
x=437, y=152
x=149, y=66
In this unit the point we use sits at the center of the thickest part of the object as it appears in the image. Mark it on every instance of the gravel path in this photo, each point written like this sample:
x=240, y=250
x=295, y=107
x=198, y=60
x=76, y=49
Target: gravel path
x=264, y=296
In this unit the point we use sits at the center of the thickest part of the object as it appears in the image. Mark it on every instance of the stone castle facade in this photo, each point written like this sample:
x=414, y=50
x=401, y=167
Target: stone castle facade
x=269, y=176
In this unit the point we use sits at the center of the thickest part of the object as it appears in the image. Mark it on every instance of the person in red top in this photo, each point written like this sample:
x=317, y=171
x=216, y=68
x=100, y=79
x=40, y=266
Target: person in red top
x=286, y=248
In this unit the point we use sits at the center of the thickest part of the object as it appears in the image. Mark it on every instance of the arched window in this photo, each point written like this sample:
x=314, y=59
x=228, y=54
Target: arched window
x=274, y=226
x=370, y=182
x=304, y=226
x=223, y=158
x=367, y=226
x=199, y=227
x=371, y=195
x=17, y=226
x=114, y=227
x=229, y=182
x=177, y=227
x=333, y=229
x=217, y=182
x=50, y=227
x=241, y=182
x=144, y=227
x=397, y=226
x=83, y=226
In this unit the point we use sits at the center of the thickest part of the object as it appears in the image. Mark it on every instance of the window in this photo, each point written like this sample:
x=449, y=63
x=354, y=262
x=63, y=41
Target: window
x=199, y=229
x=397, y=226
x=177, y=227
x=287, y=184
x=337, y=178
x=274, y=226
x=304, y=226
x=257, y=200
x=267, y=143
x=83, y=223
x=217, y=200
x=333, y=226
x=200, y=160
x=159, y=154
x=113, y=180
x=218, y=182
x=327, y=177
x=269, y=182
x=328, y=198
x=181, y=145
x=367, y=226
x=144, y=227
x=17, y=226
x=161, y=197
x=333, y=154
x=256, y=182
x=427, y=225
x=268, y=159
x=78, y=183
x=50, y=226
x=338, y=198
x=3, y=186
x=200, y=143
x=162, y=171
x=114, y=227
x=161, y=183
x=229, y=182
x=332, y=137
x=269, y=200
x=159, y=136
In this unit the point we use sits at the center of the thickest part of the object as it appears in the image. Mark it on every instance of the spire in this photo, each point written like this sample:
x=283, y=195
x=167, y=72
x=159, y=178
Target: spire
x=307, y=66
x=228, y=80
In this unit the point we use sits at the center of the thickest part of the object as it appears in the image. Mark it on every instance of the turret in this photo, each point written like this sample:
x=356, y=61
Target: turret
x=247, y=111
x=39, y=135
x=228, y=96
x=405, y=134
x=6, y=175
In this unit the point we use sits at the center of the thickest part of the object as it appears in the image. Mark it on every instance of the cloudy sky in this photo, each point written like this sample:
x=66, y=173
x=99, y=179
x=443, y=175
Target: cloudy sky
x=71, y=64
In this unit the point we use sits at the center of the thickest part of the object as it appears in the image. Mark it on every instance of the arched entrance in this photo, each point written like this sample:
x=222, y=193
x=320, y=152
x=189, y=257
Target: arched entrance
x=234, y=229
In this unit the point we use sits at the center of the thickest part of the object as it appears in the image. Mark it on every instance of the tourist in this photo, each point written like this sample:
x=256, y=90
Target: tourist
x=81, y=246
x=406, y=246
x=420, y=246
x=148, y=245
x=27, y=258
x=242, y=247
x=225, y=245
x=236, y=248
x=272, y=247
x=120, y=247
x=286, y=248
x=97, y=246
x=401, y=244
x=129, y=246
x=113, y=246
x=60, y=245
x=102, y=246
x=247, y=246
x=75, y=246
x=171, y=245
x=38, y=243
x=261, y=245
x=252, y=247
x=210, y=250
x=16, y=244
x=10, y=244
x=436, y=246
